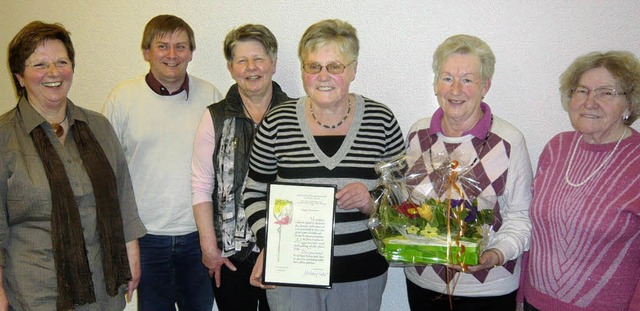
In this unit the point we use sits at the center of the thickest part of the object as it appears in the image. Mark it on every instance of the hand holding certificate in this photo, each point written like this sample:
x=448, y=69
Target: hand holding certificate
x=299, y=235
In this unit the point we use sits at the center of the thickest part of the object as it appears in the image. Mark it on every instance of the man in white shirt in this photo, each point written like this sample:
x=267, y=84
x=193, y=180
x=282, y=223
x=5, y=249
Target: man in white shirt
x=155, y=117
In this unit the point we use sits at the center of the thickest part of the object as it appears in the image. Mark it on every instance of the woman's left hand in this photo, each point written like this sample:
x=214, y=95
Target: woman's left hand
x=133, y=254
x=355, y=195
x=4, y=301
x=489, y=259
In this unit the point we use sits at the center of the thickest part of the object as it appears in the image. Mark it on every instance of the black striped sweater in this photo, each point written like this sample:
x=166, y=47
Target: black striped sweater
x=285, y=150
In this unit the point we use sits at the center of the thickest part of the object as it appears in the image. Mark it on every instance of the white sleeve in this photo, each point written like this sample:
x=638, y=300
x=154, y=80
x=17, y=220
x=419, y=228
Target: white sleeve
x=514, y=234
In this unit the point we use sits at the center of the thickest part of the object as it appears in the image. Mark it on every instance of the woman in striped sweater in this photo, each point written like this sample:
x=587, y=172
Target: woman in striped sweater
x=585, y=247
x=329, y=136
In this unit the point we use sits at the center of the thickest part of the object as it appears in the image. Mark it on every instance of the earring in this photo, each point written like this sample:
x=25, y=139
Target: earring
x=625, y=117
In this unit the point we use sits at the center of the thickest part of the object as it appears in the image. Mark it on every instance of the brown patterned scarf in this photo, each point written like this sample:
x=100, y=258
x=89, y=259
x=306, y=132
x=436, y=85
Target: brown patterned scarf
x=75, y=286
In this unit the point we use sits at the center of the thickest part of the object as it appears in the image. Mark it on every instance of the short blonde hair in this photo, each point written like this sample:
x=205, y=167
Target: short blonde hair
x=465, y=44
x=623, y=66
x=330, y=31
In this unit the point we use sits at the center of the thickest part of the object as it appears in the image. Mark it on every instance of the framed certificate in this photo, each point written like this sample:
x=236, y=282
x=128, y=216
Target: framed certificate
x=299, y=235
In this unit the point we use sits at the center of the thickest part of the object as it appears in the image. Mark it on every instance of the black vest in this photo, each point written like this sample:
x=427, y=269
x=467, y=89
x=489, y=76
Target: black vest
x=232, y=107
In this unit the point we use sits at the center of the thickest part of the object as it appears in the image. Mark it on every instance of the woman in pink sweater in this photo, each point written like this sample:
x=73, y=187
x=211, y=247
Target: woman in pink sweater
x=585, y=244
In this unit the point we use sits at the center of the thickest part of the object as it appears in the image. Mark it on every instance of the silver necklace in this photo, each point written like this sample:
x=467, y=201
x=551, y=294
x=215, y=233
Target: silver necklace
x=255, y=124
x=330, y=126
x=606, y=160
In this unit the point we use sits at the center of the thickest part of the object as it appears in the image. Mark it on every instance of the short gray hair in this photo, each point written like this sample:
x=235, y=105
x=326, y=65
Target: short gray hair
x=465, y=44
x=330, y=31
x=623, y=66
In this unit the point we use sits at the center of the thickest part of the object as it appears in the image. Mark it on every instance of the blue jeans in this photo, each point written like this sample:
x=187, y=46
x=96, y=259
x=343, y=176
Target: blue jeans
x=172, y=272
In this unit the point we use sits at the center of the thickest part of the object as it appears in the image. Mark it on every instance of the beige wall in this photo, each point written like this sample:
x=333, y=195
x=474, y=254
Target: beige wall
x=534, y=41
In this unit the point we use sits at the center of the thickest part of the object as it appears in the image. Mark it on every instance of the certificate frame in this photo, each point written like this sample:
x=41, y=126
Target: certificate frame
x=299, y=234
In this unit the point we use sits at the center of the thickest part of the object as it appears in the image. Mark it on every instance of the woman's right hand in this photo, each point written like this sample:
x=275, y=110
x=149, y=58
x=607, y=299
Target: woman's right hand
x=256, y=274
x=213, y=261
x=211, y=256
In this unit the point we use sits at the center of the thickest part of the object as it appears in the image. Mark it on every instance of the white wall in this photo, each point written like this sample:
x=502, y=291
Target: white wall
x=534, y=41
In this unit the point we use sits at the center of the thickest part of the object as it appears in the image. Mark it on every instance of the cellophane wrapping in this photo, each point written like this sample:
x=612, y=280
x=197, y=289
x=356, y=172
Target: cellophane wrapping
x=431, y=216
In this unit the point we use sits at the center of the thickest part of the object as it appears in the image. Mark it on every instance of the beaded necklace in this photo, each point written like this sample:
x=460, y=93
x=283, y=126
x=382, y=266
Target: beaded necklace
x=330, y=126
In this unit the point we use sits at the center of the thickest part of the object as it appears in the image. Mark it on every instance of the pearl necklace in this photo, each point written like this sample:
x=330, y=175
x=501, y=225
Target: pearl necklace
x=606, y=160
x=330, y=126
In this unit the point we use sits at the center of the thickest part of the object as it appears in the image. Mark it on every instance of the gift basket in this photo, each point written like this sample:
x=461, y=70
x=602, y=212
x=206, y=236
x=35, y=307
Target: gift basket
x=429, y=213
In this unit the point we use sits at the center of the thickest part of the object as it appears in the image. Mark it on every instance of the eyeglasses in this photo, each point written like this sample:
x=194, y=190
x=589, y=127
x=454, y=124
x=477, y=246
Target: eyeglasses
x=603, y=94
x=333, y=68
x=42, y=65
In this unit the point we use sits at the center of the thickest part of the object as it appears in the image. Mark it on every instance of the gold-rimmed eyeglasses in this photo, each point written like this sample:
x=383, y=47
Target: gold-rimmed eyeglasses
x=603, y=94
x=333, y=67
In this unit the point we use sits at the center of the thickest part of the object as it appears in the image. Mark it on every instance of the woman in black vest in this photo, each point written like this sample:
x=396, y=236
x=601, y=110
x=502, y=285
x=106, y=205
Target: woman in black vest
x=220, y=164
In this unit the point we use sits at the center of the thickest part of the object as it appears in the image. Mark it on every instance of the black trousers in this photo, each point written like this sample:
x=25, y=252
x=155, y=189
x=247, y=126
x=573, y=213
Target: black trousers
x=423, y=299
x=235, y=292
x=528, y=307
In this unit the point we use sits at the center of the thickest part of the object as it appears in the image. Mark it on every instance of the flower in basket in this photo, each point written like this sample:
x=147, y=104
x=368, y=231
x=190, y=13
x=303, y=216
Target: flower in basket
x=408, y=209
x=430, y=231
x=425, y=211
